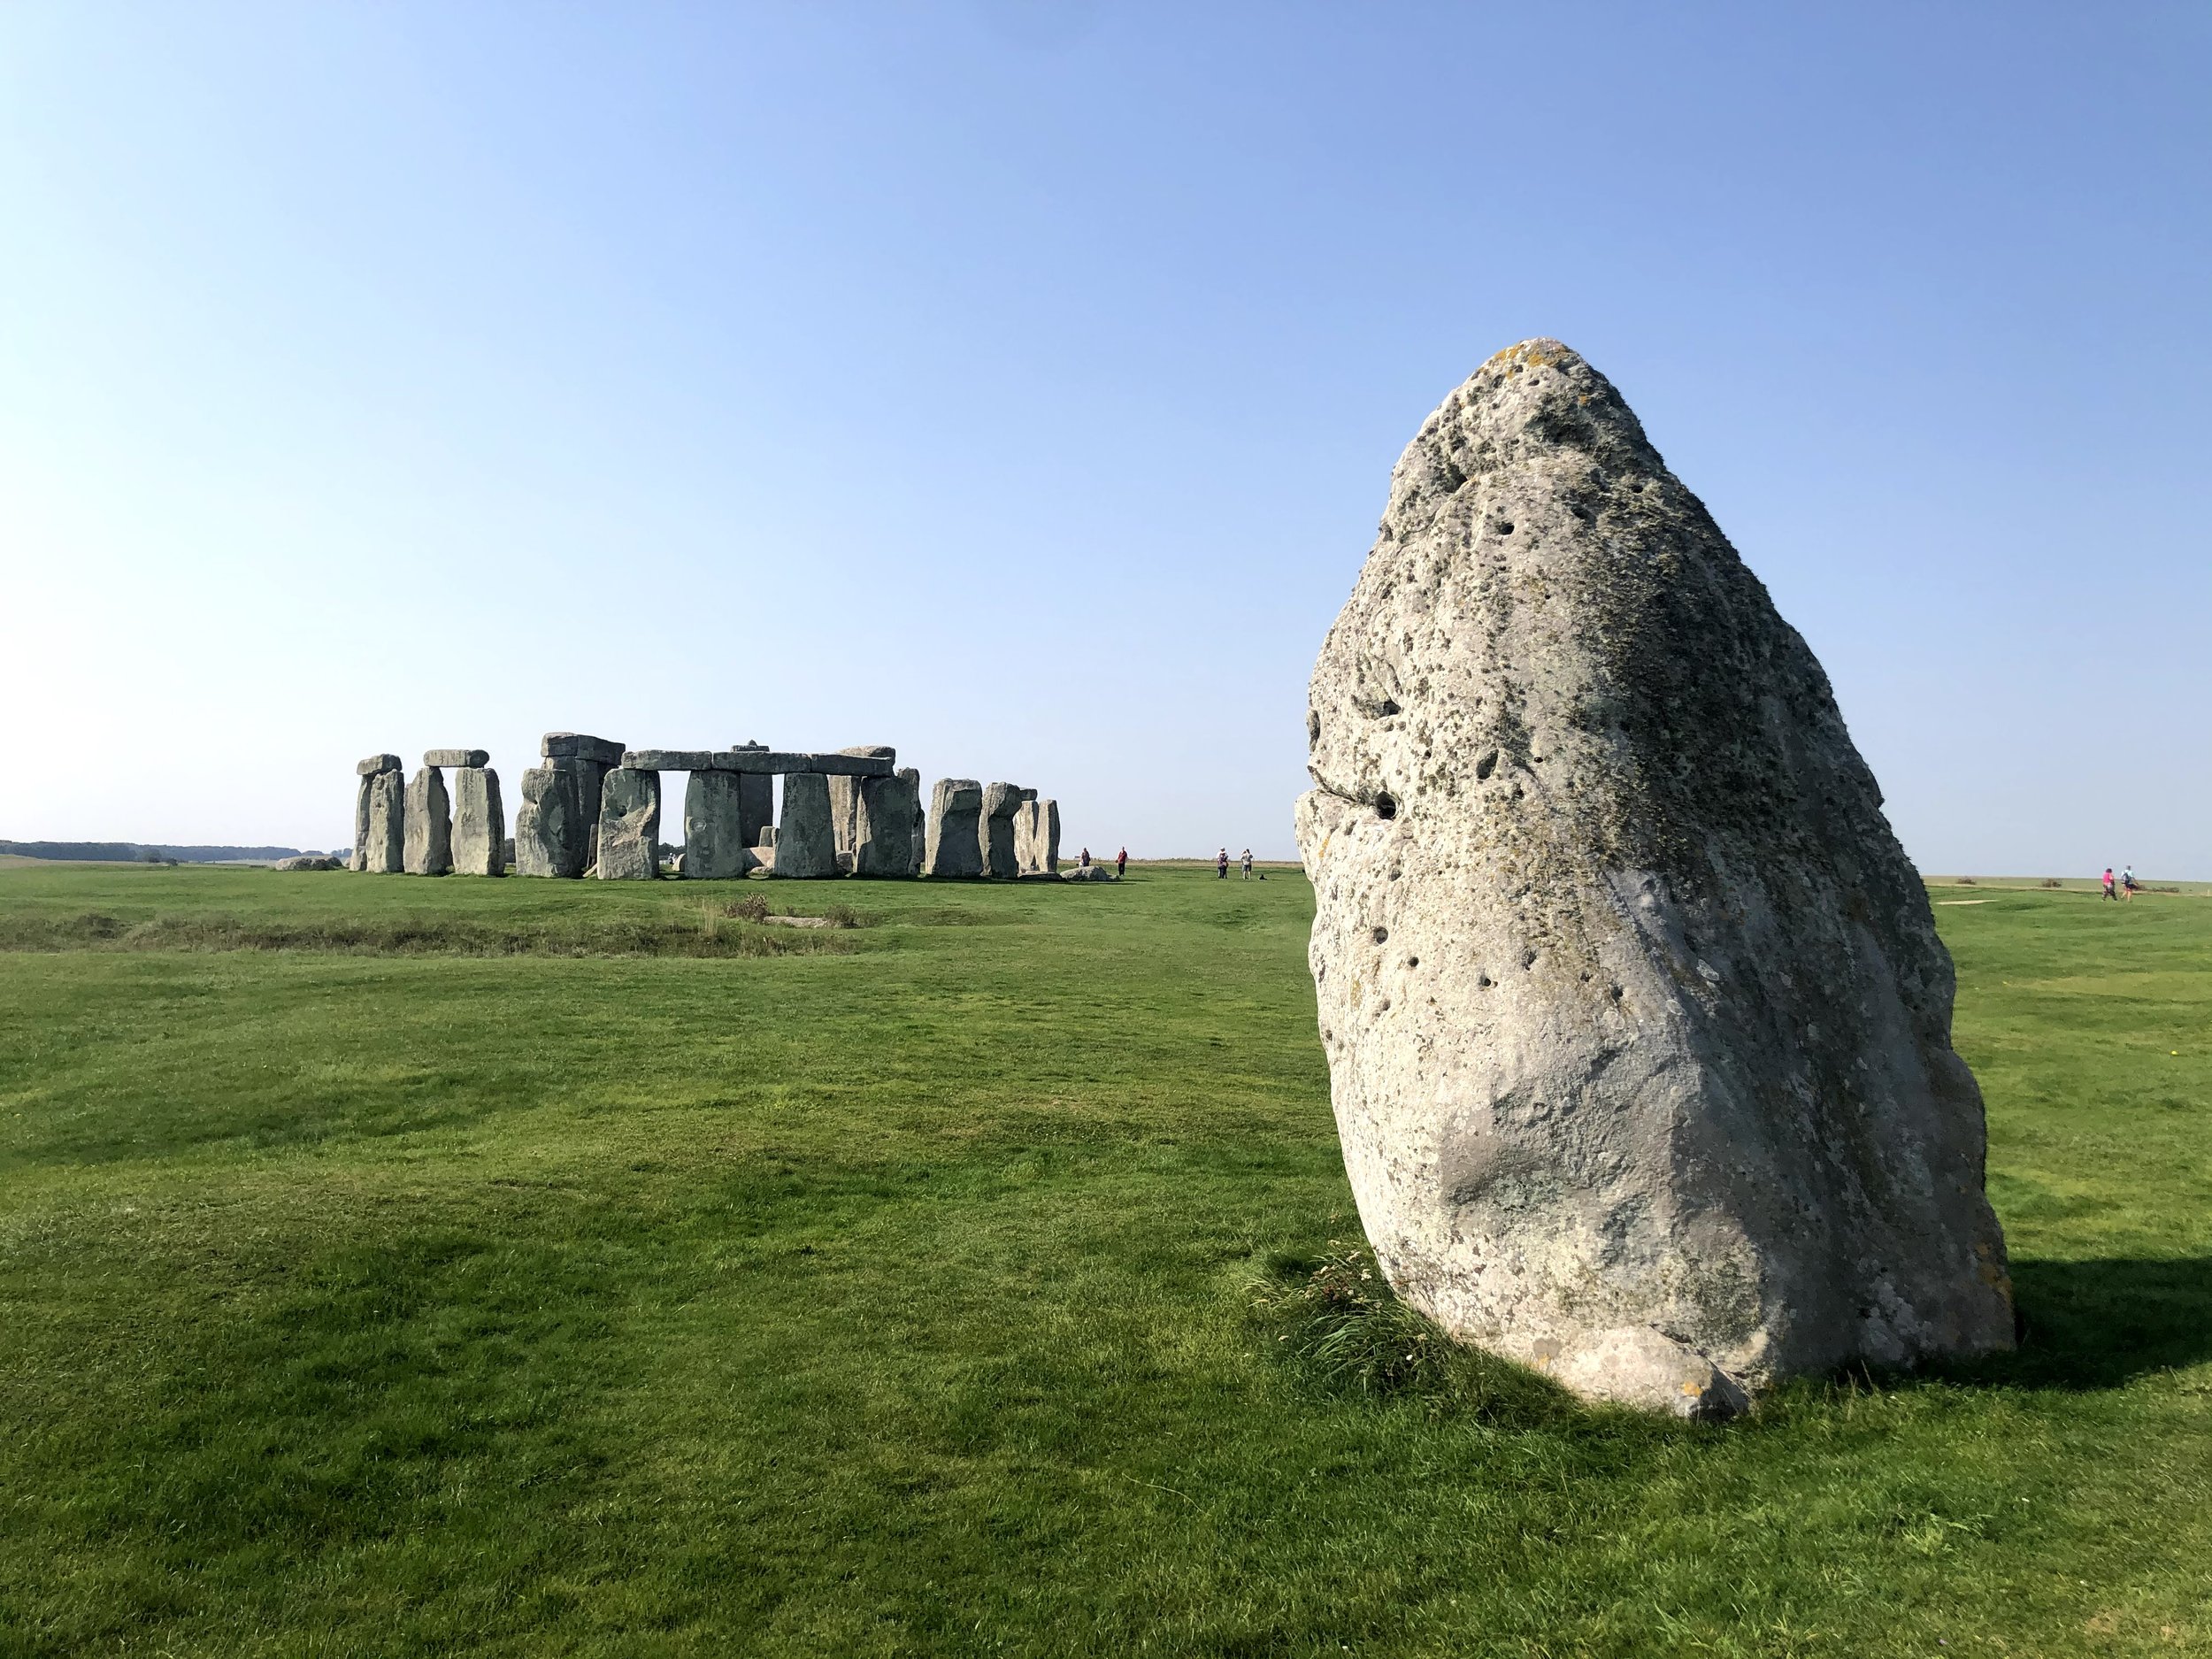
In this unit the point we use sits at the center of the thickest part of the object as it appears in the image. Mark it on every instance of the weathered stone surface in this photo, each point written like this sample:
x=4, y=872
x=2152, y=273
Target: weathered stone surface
x=1037, y=835
x=579, y=746
x=805, y=849
x=716, y=847
x=311, y=861
x=629, y=825
x=845, y=793
x=456, y=757
x=668, y=759
x=1090, y=872
x=1638, y=1028
x=480, y=823
x=429, y=824
x=376, y=764
x=755, y=798
x=886, y=810
x=995, y=832
x=384, y=843
x=951, y=846
x=553, y=836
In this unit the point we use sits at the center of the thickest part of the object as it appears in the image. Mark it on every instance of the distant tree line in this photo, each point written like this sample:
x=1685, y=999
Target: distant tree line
x=139, y=852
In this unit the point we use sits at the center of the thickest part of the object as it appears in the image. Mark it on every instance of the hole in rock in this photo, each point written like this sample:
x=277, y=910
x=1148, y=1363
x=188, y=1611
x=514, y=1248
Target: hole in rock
x=1382, y=935
x=1385, y=807
x=1484, y=981
x=1413, y=962
x=1528, y=959
x=1487, y=764
x=1313, y=728
x=1506, y=528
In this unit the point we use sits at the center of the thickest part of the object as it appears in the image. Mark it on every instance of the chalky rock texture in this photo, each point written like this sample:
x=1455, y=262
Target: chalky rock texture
x=716, y=848
x=1037, y=836
x=367, y=773
x=884, y=813
x=629, y=825
x=429, y=824
x=554, y=832
x=844, y=794
x=950, y=847
x=384, y=846
x=479, y=822
x=805, y=849
x=995, y=834
x=1638, y=1026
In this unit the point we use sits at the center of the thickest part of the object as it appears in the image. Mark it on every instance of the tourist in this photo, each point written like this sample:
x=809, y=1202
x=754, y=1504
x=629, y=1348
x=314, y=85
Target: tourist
x=2110, y=890
x=1221, y=864
x=1247, y=863
x=2127, y=880
x=1121, y=863
x=1087, y=859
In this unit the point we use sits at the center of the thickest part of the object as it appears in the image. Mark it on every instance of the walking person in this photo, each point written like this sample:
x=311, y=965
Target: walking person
x=1221, y=864
x=1248, y=865
x=2110, y=887
x=2128, y=888
x=1121, y=863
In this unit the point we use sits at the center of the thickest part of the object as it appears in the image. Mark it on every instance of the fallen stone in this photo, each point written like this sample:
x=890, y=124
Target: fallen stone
x=456, y=757
x=384, y=843
x=1090, y=872
x=629, y=825
x=577, y=746
x=311, y=861
x=805, y=849
x=429, y=824
x=995, y=832
x=479, y=822
x=1637, y=1023
x=886, y=810
x=716, y=845
x=951, y=847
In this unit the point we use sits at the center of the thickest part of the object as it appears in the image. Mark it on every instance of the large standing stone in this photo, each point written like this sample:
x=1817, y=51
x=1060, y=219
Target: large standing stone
x=480, y=823
x=805, y=847
x=951, y=847
x=883, y=836
x=716, y=847
x=365, y=773
x=590, y=759
x=429, y=824
x=844, y=794
x=1638, y=1028
x=1037, y=837
x=384, y=848
x=629, y=825
x=554, y=832
x=755, y=798
x=995, y=832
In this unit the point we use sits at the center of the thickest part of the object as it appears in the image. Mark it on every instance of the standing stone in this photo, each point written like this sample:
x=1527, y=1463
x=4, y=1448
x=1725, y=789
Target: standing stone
x=554, y=834
x=480, y=823
x=716, y=848
x=995, y=834
x=366, y=774
x=844, y=794
x=1637, y=1023
x=590, y=759
x=384, y=848
x=429, y=824
x=629, y=825
x=1037, y=837
x=883, y=838
x=950, y=847
x=755, y=798
x=805, y=847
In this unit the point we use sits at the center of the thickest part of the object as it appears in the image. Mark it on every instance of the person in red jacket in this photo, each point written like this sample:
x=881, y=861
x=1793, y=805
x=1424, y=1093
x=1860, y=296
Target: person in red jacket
x=1121, y=863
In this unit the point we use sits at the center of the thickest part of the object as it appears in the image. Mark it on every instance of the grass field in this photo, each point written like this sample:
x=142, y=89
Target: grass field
x=391, y=1266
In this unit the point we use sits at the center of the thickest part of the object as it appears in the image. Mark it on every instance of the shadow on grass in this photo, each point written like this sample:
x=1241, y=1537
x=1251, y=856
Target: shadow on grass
x=2101, y=1324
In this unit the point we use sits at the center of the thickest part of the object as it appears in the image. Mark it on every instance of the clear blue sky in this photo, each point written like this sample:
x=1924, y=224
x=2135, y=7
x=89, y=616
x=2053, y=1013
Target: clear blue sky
x=1019, y=385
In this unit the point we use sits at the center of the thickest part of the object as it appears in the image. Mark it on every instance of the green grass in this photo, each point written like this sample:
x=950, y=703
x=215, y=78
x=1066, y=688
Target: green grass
x=392, y=1266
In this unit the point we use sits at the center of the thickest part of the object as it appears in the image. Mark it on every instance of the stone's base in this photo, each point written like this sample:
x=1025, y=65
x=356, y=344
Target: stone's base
x=764, y=861
x=1634, y=1365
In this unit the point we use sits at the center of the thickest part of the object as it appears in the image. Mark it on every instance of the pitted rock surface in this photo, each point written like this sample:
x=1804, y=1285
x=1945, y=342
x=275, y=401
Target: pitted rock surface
x=1638, y=1026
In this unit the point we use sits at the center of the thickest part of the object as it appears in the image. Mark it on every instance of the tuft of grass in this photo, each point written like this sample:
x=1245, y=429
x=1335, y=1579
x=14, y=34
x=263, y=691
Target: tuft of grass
x=1339, y=1324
